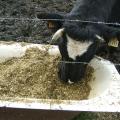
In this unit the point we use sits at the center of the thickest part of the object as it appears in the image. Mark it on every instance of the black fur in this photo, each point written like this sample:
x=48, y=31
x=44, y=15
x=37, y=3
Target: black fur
x=88, y=10
x=57, y=24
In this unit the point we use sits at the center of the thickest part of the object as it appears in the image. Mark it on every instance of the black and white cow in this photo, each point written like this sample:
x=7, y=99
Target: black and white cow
x=80, y=41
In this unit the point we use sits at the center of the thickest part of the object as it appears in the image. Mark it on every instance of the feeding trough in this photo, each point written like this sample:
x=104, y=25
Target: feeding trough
x=104, y=94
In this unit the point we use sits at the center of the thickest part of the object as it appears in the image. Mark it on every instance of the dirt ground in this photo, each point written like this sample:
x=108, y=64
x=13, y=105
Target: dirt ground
x=28, y=30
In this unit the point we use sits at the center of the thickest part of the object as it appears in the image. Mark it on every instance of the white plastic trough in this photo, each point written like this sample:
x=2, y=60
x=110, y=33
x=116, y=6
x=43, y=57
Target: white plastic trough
x=104, y=96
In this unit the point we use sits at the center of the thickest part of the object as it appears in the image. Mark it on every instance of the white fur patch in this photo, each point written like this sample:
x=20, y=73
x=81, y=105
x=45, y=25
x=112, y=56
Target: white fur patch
x=70, y=82
x=76, y=48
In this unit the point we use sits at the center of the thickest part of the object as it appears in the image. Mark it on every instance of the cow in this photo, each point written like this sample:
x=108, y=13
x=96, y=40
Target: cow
x=79, y=41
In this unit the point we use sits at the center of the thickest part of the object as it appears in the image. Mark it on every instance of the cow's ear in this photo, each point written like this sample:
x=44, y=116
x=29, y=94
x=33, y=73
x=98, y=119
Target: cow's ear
x=54, y=21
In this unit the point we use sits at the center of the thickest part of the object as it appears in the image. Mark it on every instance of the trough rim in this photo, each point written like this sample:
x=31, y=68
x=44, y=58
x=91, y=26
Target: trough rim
x=109, y=101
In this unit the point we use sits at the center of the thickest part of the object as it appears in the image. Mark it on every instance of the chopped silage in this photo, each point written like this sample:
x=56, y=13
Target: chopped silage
x=35, y=76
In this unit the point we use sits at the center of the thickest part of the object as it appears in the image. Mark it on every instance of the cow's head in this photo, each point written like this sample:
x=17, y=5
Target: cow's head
x=73, y=51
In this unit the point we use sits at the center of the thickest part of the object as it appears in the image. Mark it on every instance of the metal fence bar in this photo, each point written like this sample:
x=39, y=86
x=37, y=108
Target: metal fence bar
x=76, y=20
x=68, y=62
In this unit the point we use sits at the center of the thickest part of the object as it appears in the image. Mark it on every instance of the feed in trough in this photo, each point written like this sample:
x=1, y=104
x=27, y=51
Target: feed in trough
x=35, y=76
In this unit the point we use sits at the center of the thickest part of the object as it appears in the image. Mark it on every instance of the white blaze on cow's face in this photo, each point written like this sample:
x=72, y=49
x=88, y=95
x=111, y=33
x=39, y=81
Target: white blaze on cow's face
x=76, y=48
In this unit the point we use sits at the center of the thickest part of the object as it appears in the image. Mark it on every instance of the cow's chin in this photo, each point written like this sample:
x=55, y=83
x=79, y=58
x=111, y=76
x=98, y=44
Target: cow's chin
x=63, y=72
x=71, y=72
